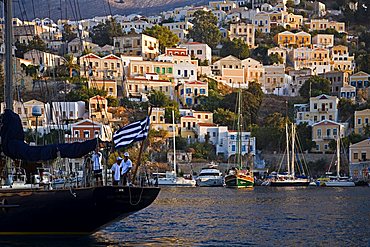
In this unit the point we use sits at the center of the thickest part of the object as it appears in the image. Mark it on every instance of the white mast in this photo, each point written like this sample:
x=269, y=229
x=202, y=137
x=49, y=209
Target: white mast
x=287, y=147
x=239, y=134
x=293, y=146
x=338, y=156
x=174, y=145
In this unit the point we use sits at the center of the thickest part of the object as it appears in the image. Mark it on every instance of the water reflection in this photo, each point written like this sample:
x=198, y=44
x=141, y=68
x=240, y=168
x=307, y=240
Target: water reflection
x=263, y=216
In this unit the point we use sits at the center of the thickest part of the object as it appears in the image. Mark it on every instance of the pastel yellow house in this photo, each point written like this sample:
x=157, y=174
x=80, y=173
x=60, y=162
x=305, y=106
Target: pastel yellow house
x=361, y=120
x=253, y=70
x=137, y=45
x=108, y=67
x=187, y=128
x=324, y=132
x=285, y=39
x=359, y=160
x=360, y=80
x=341, y=59
x=98, y=109
x=157, y=121
x=188, y=123
x=243, y=31
x=323, y=24
x=322, y=107
x=293, y=21
x=110, y=86
x=141, y=68
x=289, y=39
x=323, y=40
x=303, y=39
x=140, y=87
x=282, y=52
x=190, y=91
x=274, y=77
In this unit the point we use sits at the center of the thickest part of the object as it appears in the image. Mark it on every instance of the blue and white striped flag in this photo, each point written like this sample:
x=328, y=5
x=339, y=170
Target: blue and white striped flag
x=133, y=132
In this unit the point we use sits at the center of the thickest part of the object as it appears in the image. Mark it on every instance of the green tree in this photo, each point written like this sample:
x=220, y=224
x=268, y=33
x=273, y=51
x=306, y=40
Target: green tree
x=112, y=101
x=224, y=117
x=290, y=4
x=205, y=28
x=260, y=54
x=164, y=35
x=203, y=151
x=172, y=106
x=103, y=33
x=304, y=133
x=315, y=86
x=35, y=44
x=82, y=93
x=274, y=59
x=236, y=47
x=68, y=34
x=158, y=99
x=346, y=110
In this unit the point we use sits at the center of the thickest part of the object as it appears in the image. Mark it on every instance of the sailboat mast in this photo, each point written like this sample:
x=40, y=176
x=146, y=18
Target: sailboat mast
x=287, y=146
x=239, y=137
x=338, y=156
x=293, y=147
x=174, y=141
x=8, y=54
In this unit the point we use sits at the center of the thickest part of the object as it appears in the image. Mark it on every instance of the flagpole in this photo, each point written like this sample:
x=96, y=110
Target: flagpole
x=141, y=151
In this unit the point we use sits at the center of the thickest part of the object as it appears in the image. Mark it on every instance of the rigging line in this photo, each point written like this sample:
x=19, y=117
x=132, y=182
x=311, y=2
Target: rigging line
x=38, y=53
x=33, y=9
x=110, y=9
x=79, y=9
x=61, y=10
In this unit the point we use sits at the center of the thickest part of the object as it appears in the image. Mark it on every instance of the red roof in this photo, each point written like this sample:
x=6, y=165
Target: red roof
x=144, y=79
x=197, y=82
x=111, y=57
x=207, y=124
x=90, y=56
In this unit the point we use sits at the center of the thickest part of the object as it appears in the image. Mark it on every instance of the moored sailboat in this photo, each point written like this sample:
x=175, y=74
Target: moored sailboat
x=338, y=181
x=170, y=178
x=289, y=178
x=239, y=177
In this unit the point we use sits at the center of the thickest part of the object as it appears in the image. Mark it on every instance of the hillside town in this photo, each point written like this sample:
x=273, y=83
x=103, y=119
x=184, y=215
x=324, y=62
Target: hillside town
x=293, y=61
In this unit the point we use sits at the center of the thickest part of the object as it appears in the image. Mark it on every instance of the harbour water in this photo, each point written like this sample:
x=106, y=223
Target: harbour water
x=262, y=216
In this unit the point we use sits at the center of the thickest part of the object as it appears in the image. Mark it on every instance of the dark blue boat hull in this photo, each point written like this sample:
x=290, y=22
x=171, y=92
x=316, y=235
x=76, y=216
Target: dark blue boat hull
x=78, y=211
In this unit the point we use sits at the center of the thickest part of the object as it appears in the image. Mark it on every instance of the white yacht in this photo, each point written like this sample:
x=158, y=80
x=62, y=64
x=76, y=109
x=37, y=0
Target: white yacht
x=210, y=177
x=169, y=178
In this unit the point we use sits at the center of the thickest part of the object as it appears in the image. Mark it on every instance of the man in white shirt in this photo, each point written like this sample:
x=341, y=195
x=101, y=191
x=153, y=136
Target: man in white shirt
x=97, y=166
x=116, y=169
x=126, y=166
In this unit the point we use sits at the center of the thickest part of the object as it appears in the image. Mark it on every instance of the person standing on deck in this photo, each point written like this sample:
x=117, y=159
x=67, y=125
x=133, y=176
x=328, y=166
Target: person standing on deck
x=126, y=168
x=97, y=167
x=116, y=169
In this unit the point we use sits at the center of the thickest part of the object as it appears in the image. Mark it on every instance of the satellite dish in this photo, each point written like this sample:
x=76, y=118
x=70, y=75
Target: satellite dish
x=36, y=111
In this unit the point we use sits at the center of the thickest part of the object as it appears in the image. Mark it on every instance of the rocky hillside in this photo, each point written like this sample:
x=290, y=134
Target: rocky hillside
x=91, y=8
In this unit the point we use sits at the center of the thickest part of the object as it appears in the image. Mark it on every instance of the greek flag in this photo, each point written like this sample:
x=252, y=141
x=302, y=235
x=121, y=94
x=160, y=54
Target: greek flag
x=133, y=132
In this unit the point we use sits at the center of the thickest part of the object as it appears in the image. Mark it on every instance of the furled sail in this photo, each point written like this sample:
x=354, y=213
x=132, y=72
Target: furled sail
x=13, y=145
